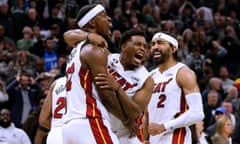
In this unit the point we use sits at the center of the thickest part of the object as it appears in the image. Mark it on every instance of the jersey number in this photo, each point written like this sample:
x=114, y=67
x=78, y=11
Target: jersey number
x=69, y=73
x=161, y=98
x=61, y=102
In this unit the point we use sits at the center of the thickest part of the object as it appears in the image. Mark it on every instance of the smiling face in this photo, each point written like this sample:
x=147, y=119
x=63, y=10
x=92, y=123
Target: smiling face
x=133, y=52
x=160, y=50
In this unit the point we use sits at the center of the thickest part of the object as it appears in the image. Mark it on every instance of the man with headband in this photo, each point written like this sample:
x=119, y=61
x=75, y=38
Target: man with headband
x=86, y=118
x=176, y=101
x=134, y=84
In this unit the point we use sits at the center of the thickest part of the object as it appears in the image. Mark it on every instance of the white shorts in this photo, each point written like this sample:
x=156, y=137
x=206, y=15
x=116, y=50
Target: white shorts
x=80, y=131
x=55, y=136
x=126, y=140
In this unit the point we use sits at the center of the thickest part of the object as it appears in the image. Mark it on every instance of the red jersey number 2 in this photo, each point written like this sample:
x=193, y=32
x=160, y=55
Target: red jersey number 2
x=61, y=103
x=161, y=98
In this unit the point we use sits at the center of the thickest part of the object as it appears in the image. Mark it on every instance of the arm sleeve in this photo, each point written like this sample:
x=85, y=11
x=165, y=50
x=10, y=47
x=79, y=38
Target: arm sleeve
x=191, y=116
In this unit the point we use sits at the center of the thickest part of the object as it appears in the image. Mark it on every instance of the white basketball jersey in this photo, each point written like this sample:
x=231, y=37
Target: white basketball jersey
x=82, y=98
x=58, y=102
x=130, y=81
x=167, y=102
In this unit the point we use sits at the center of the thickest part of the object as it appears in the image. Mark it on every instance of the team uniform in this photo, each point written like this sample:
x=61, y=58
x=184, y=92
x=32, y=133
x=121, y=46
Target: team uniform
x=58, y=109
x=86, y=119
x=167, y=103
x=130, y=81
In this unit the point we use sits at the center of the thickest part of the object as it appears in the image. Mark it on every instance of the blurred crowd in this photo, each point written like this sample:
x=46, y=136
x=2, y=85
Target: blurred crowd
x=33, y=52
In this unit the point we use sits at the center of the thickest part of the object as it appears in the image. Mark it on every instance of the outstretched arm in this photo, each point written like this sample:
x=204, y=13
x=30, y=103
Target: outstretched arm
x=72, y=37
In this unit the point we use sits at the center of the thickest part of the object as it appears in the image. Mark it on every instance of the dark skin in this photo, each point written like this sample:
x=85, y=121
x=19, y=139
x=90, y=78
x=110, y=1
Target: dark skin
x=45, y=117
x=94, y=58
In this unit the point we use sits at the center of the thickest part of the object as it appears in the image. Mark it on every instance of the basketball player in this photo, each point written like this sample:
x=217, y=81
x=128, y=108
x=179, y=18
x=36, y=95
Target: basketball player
x=51, y=114
x=176, y=101
x=134, y=84
x=86, y=118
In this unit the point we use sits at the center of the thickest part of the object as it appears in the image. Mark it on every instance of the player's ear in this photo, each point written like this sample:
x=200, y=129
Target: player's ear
x=123, y=47
x=174, y=49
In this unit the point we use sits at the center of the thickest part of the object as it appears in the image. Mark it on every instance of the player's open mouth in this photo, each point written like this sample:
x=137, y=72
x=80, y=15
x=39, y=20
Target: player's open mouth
x=156, y=54
x=139, y=56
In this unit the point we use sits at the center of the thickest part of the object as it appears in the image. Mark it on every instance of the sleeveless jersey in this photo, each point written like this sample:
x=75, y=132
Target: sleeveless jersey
x=58, y=102
x=167, y=102
x=130, y=81
x=81, y=96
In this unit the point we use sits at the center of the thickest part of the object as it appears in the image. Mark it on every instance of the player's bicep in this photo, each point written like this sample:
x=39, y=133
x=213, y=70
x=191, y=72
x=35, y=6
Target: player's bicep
x=95, y=59
x=187, y=80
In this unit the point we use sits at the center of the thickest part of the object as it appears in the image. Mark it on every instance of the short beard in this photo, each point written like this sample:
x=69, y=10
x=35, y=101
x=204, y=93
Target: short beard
x=160, y=60
x=5, y=124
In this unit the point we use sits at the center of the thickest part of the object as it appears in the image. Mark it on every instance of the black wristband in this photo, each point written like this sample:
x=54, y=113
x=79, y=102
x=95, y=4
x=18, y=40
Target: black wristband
x=46, y=130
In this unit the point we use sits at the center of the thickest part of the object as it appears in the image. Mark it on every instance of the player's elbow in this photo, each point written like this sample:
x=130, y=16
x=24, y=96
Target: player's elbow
x=201, y=115
x=135, y=112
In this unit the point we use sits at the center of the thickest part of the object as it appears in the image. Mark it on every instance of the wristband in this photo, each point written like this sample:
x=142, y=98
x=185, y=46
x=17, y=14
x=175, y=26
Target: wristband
x=44, y=129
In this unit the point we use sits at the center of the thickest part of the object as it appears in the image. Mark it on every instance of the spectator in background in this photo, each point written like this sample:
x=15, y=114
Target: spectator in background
x=229, y=111
x=50, y=56
x=38, y=47
x=44, y=80
x=215, y=54
x=209, y=106
x=224, y=130
x=3, y=95
x=218, y=113
x=3, y=36
x=32, y=18
x=214, y=84
x=227, y=82
x=232, y=93
x=18, y=14
x=23, y=95
x=9, y=134
x=30, y=126
x=115, y=39
x=117, y=18
x=202, y=41
x=39, y=67
x=182, y=51
x=25, y=62
x=6, y=19
x=231, y=43
x=195, y=60
x=26, y=42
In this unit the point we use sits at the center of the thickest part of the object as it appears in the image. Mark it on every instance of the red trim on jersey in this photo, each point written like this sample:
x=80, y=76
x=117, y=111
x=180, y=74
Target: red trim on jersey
x=139, y=128
x=99, y=130
x=179, y=135
x=86, y=83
